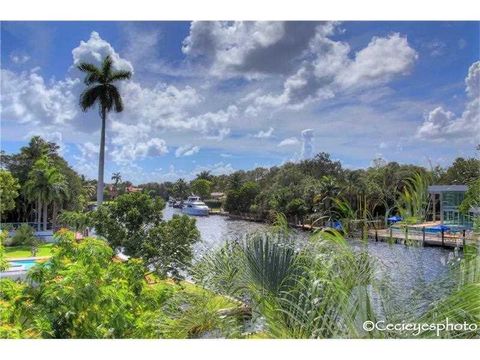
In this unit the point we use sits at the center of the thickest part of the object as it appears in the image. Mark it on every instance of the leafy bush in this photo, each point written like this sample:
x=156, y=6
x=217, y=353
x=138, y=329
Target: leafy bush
x=25, y=235
x=3, y=262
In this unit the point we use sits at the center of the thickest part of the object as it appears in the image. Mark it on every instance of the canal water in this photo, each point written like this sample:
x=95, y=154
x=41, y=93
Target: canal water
x=411, y=271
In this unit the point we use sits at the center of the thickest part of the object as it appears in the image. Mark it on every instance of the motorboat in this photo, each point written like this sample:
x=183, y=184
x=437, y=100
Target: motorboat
x=194, y=206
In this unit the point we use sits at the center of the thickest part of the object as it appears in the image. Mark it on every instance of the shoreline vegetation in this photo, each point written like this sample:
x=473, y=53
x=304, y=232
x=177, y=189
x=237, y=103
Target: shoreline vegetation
x=261, y=287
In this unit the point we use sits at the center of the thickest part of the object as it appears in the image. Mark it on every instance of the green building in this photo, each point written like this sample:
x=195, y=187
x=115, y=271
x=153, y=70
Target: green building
x=444, y=203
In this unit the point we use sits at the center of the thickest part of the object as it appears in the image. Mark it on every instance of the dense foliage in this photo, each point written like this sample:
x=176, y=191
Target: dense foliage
x=47, y=183
x=9, y=187
x=84, y=292
x=133, y=222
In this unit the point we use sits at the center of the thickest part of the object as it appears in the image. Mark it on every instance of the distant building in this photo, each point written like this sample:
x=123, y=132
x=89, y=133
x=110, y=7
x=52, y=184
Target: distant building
x=217, y=195
x=445, y=200
x=131, y=189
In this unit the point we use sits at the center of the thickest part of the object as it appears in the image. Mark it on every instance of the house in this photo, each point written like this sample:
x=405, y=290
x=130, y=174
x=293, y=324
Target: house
x=131, y=189
x=444, y=203
x=217, y=195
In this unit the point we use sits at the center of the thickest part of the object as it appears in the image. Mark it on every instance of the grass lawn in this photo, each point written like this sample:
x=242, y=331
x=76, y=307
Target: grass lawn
x=24, y=251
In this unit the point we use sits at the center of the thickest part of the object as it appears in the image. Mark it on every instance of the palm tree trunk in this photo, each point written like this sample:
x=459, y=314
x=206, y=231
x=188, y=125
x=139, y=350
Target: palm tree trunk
x=38, y=214
x=101, y=160
x=54, y=215
x=45, y=215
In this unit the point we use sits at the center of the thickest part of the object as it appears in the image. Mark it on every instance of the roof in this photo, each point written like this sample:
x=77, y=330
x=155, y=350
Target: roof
x=444, y=188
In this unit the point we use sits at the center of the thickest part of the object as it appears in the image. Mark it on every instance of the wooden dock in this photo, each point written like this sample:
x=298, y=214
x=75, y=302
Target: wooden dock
x=421, y=238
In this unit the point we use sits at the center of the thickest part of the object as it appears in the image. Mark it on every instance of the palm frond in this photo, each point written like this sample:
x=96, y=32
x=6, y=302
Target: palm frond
x=107, y=67
x=116, y=98
x=120, y=75
x=89, y=96
x=88, y=68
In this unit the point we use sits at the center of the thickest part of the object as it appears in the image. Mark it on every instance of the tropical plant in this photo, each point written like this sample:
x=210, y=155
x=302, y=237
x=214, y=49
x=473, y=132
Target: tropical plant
x=180, y=189
x=45, y=185
x=101, y=89
x=326, y=289
x=3, y=261
x=77, y=221
x=472, y=197
x=9, y=187
x=25, y=235
x=412, y=202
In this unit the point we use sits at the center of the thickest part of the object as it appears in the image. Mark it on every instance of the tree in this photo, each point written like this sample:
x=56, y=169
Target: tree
x=201, y=187
x=117, y=178
x=168, y=245
x=206, y=175
x=133, y=222
x=4, y=265
x=82, y=293
x=20, y=165
x=124, y=222
x=180, y=189
x=45, y=185
x=101, y=90
x=462, y=172
x=472, y=197
x=9, y=187
x=242, y=199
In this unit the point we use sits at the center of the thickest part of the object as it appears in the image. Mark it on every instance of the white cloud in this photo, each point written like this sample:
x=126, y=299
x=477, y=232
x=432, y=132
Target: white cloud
x=19, y=58
x=333, y=71
x=133, y=142
x=186, y=150
x=288, y=142
x=28, y=98
x=248, y=48
x=441, y=124
x=220, y=168
x=264, y=134
x=95, y=49
x=307, y=144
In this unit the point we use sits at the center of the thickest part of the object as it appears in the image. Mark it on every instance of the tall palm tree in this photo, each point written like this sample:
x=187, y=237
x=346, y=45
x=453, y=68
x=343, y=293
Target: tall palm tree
x=117, y=178
x=45, y=185
x=101, y=89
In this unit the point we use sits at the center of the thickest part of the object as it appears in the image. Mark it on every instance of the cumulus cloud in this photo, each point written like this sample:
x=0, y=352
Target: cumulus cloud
x=95, y=49
x=333, y=70
x=307, y=144
x=288, y=142
x=441, y=124
x=186, y=150
x=28, y=98
x=133, y=142
x=264, y=134
x=248, y=47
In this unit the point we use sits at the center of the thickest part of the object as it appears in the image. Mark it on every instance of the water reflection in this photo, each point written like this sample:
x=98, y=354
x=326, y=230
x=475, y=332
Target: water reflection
x=411, y=271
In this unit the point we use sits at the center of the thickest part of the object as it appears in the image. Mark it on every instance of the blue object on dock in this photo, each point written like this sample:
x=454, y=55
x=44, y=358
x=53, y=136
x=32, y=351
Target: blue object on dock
x=394, y=219
x=437, y=228
x=337, y=225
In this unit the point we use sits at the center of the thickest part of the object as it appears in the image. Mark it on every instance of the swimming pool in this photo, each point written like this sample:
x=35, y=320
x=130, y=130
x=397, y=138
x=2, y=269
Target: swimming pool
x=27, y=263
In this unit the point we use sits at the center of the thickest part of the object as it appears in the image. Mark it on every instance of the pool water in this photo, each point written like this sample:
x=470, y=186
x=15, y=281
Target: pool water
x=28, y=263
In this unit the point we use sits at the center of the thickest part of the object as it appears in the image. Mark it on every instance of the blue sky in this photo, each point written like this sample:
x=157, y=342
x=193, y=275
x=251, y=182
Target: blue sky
x=226, y=96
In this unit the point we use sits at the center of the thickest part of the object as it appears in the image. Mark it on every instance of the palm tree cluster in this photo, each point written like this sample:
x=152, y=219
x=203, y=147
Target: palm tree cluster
x=45, y=186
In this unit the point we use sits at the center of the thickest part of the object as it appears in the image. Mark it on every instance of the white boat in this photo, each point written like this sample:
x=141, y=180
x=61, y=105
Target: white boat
x=193, y=206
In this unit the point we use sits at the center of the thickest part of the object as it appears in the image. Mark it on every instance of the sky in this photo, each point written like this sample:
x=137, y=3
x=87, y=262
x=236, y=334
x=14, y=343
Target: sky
x=225, y=96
